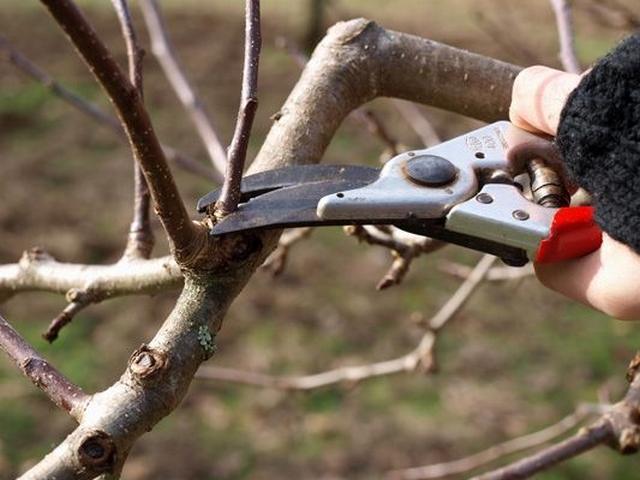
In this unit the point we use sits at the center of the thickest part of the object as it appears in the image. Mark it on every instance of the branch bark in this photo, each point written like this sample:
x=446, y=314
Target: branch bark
x=56, y=386
x=230, y=194
x=39, y=271
x=564, y=23
x=181, y=231
x=140, y=241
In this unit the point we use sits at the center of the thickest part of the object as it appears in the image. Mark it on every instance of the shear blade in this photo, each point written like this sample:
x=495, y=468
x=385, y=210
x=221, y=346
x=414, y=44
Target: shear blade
x=264, y=182
x=287, y=207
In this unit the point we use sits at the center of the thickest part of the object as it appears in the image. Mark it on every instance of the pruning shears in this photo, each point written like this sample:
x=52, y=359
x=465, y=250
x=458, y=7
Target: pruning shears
x=495, y=190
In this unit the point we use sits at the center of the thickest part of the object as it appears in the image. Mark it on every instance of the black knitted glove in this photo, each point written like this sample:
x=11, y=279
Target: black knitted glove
x=599, y=137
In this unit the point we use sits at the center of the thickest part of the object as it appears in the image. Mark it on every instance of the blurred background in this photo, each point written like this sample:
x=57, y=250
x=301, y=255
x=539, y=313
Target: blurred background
x=516, y=359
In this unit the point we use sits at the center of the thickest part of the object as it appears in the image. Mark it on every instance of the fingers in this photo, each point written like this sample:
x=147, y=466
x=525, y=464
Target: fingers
x=607, y=279
x=538, y=96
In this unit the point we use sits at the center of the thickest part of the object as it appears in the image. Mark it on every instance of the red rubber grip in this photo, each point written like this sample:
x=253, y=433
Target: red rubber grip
x=573, y=234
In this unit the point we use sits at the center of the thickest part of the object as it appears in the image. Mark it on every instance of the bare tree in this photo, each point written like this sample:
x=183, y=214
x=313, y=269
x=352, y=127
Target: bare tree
x=356, y=62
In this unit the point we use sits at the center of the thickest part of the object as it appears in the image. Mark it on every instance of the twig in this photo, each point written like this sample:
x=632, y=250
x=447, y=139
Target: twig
x=405, y=247
x=163, y=51
x=92, y=110
x=564, y=24
x=584, y=440
x=140, y=241
x=501, y=450
x=56, y=386
x=421, y=357
x=169, y=206
x=230, y=194
x=376, y=127
x=496, y=274
x=78, y=300
x=278, y=259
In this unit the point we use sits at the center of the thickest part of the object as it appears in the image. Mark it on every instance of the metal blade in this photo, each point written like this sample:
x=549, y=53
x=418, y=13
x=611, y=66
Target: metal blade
x=286, y=207
x=263, y=182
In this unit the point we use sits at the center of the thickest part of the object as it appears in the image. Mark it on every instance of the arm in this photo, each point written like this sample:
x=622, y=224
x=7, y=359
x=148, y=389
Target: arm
x=596, y=121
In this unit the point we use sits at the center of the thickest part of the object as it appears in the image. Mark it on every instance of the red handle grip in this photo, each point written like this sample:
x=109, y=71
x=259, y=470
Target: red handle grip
x=573, y=234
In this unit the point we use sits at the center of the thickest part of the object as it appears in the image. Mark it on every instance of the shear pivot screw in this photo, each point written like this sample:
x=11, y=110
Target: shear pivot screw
x=430, y=170
x=520, y=215
x=484, y=198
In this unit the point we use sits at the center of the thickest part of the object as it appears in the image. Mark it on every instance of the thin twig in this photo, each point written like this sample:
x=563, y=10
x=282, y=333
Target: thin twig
x=78, y=301
x=165, y=54
x=496, y=274
x=140, y=241
x=376, y=127
x=278, y=259
x=92, y=110
x=230, y=195
x=405, y=248
x=56, y=386
x=584, y=440
x=169, y=206
x=421, y=357
x=564, y=24
x=526, y=442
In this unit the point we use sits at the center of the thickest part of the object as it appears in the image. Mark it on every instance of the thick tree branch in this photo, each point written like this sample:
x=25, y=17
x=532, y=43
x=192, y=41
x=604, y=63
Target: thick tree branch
x=56, y=386
x=564, y=23
x=165, y=54
x=181, y=231
x=140, y=241
x=230, y=194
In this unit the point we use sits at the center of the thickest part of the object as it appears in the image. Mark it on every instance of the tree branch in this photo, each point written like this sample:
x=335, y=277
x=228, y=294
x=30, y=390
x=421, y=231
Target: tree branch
x=230, y=194
x=526, y=442
x=140, y=241
x=165, y=54
x=583, y=441
x=38, y=271
x=56, y=386
x=568, y=56
x=91, y=109
x=181, y=231
x=405, y=247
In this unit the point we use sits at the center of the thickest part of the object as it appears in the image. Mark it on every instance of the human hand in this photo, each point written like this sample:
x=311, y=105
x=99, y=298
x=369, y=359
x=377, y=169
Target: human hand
x=538, y=95
x=606, y=279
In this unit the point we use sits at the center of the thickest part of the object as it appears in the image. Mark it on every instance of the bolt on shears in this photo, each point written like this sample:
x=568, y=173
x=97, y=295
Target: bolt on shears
x=495, y=190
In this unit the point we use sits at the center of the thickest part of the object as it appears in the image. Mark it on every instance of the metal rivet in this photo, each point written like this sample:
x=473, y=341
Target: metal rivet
x=411, y=154
x=484, y=198
x=520, y=215
x=340, y=195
